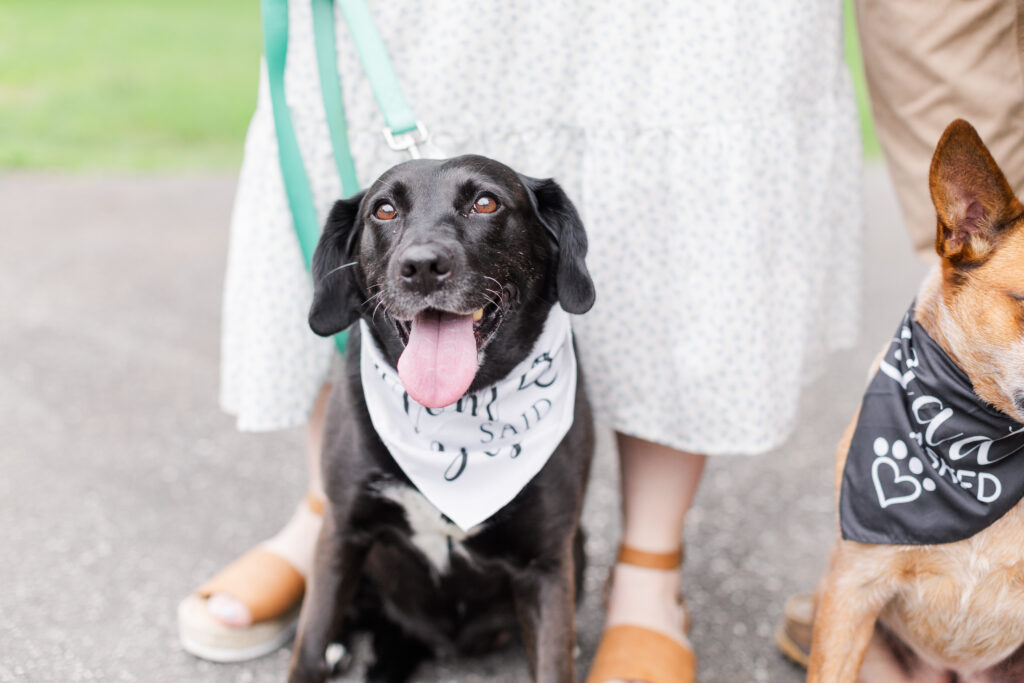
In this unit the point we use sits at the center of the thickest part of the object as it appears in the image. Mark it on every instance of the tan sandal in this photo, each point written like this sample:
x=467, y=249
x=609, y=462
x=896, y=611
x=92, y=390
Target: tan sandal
x=793, y=634
x=637, y=653
x=274, y=611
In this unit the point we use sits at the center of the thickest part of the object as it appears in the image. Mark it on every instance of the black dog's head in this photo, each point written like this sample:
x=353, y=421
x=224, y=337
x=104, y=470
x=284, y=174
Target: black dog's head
x=447, y=259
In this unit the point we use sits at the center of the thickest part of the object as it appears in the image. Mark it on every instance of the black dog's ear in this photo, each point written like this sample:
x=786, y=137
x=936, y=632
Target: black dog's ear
x=558, y=215
x=335, y=292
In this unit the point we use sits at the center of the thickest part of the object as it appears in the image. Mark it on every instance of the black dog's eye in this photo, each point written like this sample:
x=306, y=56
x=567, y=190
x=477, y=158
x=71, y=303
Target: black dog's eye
x=385, y=211
x=485, y=203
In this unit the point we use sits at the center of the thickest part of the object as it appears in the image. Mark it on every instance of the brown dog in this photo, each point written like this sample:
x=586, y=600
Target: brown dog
x=940, y=609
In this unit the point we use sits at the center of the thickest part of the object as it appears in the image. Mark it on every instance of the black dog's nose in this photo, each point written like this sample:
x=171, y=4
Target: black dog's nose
x=424, y=267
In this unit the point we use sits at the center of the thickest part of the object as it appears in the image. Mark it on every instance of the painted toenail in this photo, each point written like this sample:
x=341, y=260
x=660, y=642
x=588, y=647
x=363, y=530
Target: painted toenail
x=228, y=610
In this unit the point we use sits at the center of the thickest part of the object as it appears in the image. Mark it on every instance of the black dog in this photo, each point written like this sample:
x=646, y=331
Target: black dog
x=430, y=244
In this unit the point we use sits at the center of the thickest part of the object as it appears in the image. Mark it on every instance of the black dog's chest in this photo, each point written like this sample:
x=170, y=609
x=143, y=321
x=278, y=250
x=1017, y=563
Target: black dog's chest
x=431, y=534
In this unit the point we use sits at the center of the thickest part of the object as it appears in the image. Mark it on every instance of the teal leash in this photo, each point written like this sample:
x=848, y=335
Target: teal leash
x=330, y=87
x=403, y=132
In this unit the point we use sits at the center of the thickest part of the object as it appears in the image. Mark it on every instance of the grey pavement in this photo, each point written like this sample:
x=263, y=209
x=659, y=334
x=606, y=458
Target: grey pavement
x=122, y=485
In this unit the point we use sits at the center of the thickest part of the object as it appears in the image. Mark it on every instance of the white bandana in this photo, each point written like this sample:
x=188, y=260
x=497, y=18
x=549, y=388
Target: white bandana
x=473, y=457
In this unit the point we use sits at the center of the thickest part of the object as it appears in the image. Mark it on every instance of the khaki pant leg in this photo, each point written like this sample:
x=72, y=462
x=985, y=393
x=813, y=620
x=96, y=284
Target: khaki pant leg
x=928, y=62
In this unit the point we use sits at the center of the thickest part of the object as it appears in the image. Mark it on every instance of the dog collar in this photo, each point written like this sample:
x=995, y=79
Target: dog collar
x=929, y=461
x=471, y=458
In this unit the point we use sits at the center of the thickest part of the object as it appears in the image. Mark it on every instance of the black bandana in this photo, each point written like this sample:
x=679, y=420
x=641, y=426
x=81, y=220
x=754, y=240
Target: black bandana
x=929, y=462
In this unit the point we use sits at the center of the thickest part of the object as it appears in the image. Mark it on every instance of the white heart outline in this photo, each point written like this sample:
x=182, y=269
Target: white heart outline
x=886, y=502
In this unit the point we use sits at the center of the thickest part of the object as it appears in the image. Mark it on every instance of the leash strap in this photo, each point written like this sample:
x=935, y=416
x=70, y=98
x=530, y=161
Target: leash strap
x=293, y=172
x=296, y=184
x=403, y=131
x=330, y=86
x=377, y=65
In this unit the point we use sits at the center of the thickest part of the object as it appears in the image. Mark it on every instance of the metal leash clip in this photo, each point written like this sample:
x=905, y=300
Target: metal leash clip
x=408, y=141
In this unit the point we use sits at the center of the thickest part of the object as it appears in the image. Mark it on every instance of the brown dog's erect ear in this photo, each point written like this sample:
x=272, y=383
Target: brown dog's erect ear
x=972, y=199
x=558, y=215
x=335, y=293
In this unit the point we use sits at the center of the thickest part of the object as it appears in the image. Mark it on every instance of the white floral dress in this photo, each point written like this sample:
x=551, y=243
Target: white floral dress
x=713, y=151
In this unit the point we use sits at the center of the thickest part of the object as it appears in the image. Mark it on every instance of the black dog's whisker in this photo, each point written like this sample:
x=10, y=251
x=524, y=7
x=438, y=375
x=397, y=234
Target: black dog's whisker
x=378, y=295
x=334, y=270
x=380, y=302
x=495, y=297
x=388, y=186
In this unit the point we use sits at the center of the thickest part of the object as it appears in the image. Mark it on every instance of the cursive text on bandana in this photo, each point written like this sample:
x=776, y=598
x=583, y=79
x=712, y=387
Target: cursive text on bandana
x=929, y=461
x=471, y=458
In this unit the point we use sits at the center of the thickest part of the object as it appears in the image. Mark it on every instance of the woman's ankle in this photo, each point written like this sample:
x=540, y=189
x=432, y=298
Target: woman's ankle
x=647, y=597
x=296, y=541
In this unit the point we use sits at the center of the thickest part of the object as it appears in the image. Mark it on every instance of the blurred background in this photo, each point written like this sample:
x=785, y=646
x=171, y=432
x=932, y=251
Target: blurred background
x=122, y=485
x=124, y=85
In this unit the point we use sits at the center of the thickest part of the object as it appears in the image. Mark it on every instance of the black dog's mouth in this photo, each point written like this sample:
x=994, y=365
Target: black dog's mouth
x=443, y=348
x=486, y=320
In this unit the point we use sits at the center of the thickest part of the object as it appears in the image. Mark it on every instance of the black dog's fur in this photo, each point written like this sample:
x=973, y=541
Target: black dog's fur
x=524, y=563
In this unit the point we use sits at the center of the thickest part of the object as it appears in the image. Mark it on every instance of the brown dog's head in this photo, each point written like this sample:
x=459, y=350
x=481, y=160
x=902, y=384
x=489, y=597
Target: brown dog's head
x=980, y=237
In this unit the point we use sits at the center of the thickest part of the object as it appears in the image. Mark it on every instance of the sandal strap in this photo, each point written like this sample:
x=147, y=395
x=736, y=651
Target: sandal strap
x=249, y=580
x=636, y=653
x=315, y=503
x=266, y=583
x=642, y=558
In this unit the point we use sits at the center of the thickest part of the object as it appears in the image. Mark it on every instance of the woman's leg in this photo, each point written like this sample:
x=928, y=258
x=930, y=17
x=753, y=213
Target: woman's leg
x=658, y=486
x=928, y=63
x=296, y=540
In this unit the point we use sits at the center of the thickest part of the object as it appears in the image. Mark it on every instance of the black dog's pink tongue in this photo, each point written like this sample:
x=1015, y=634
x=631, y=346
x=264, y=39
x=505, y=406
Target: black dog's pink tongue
x=439, y=362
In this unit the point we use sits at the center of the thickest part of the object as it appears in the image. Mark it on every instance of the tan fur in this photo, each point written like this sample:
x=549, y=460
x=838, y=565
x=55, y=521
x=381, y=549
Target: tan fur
x=958, y=606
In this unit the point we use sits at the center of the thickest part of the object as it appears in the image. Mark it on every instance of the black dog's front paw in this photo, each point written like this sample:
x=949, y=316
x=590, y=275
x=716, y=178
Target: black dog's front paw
x=306, y=668
x=303, y=674
x=337, y=658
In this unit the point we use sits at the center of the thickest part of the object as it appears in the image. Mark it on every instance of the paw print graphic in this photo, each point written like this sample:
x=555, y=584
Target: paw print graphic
x=891, y=484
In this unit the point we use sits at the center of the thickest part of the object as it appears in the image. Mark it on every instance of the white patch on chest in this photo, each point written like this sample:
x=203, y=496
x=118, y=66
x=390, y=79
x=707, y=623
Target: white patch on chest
x=432, y=534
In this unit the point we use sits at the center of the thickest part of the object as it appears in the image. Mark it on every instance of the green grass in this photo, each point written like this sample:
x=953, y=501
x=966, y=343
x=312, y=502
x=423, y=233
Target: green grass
x=152, y=84
x=126, y=84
